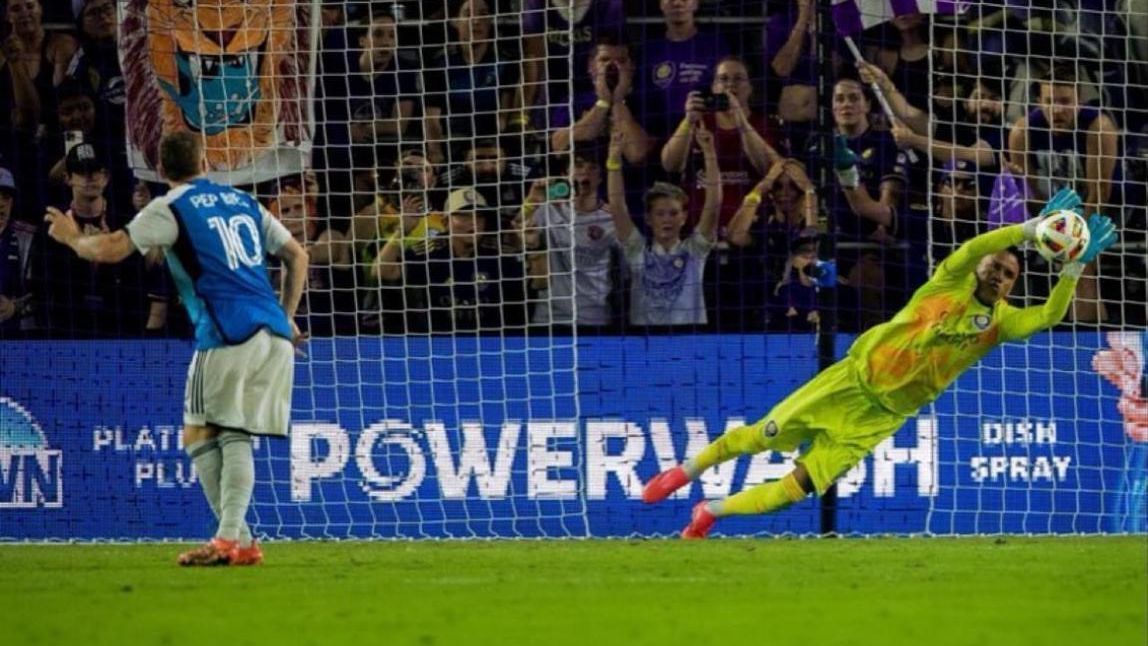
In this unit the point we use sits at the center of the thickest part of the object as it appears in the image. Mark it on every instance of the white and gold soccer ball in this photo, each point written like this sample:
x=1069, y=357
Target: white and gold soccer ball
x=1062, y=236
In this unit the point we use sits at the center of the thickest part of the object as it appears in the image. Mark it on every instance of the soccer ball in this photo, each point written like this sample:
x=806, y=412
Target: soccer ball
x=1062, y=236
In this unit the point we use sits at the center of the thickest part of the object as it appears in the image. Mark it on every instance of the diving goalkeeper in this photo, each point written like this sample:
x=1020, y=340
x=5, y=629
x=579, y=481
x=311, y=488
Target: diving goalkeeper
x=890, y=371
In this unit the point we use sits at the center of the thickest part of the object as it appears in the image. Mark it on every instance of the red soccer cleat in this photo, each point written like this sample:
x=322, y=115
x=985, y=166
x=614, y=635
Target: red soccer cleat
x=217, y=551
x=701, y=522
x=250, y=555
x=664, y=484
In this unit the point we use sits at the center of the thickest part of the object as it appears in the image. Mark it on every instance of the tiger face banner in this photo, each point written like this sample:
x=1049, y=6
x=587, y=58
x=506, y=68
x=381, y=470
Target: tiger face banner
x=238, y=72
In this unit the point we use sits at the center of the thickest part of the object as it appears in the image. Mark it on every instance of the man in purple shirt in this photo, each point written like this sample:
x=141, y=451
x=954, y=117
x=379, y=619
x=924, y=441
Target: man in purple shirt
x=683, y=59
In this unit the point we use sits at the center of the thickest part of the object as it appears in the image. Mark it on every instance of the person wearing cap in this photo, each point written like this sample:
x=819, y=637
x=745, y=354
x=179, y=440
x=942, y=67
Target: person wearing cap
x=15, y=245
x=459, y=282
x=79, y=298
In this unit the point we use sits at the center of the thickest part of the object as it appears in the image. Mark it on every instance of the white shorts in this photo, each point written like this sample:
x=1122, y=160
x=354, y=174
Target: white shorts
x=245, y=387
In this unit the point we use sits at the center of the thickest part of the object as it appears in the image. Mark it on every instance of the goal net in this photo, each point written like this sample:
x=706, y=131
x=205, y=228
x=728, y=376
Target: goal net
x=1048, y=435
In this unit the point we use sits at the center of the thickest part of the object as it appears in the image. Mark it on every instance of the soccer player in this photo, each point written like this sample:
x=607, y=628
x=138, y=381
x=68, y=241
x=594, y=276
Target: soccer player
x=891, y=371
x=239, y=381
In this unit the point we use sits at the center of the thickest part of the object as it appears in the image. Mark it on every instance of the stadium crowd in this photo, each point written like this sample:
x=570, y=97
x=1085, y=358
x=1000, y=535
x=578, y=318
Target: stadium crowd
x=679, y=174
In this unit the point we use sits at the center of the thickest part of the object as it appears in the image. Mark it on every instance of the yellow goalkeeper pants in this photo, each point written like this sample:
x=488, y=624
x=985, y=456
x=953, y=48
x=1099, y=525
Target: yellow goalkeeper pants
x=839, y=420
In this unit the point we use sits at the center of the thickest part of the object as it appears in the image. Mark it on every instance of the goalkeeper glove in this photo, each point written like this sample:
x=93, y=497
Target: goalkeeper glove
x=845, y=163
x=1101, y=235
x=1065, y=199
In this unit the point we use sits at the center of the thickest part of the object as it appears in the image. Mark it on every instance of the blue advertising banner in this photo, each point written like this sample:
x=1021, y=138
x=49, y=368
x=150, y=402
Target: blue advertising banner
x=417, y=437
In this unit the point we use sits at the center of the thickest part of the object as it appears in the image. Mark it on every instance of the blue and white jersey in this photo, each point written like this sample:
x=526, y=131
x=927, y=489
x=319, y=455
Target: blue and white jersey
x=216, y=239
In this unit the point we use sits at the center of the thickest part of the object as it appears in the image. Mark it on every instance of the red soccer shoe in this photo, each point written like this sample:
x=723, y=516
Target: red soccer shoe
x=701, y=522
x=217, y=551
x=664, y=484
x=250, y=555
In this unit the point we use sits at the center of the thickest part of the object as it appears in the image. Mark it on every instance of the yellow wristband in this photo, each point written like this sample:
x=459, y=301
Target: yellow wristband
x=603, y=103
x=613, y=164
x=683, y=128
x=752, y=197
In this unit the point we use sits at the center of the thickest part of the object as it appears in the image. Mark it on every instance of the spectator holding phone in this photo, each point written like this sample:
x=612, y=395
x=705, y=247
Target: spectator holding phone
x=580, y=244
x=743, y=140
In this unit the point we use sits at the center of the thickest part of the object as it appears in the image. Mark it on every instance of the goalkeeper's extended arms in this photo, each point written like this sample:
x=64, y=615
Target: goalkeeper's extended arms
x=966, y=257
x=1019, y=324
x=1023, y=323
x=964, y=260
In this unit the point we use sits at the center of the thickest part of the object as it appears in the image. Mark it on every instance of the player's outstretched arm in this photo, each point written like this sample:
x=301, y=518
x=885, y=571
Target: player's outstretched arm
x=101, y=247
x=1022, y=323
x=964, y=260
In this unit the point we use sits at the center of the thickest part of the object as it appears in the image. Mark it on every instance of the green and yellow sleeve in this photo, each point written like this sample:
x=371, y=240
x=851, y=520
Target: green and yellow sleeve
x=1020, y=323
x=964, y=260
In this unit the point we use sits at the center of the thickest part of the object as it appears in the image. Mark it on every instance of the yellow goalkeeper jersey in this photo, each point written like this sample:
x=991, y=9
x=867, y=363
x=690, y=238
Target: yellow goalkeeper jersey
x=908, y=361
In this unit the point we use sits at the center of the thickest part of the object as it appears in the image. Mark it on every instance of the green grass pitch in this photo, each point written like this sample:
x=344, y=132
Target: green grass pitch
x=1011, y=590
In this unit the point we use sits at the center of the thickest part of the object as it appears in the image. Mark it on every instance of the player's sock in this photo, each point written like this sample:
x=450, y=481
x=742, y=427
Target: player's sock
x=744, y=440
x=236, y=482
x=208, y=461
x=761, y=499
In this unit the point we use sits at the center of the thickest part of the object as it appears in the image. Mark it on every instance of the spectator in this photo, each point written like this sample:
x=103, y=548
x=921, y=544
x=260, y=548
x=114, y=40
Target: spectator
x=908, y=63
x=15, y=244
x=581, y=247
x=381, y=92
x=460, y=283
x=958, y=210
x=911, y=128
x=1062, y=143
x=676, y=63
x=80, y=298
x=96, y=63
x=788, y=46
x=471, y=86
x=410, y=205
x=405, y=224
x=864, y=209
x=667, y=272
x=556, y=32
x=739, y=137
x=485, y=167
x=34, y=63
x=791, y=200
x=78, y=116
x=612, y=71
x=369, y=102
x=328, y=305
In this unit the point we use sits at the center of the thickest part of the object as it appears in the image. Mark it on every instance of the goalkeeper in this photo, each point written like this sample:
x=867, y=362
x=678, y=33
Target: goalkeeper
x=891, y=371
